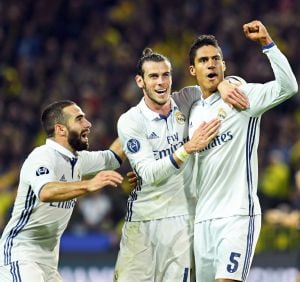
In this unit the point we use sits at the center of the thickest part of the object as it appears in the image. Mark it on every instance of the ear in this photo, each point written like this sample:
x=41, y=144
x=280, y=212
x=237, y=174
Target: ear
x=139, y=81
x=192, y=70
x=60, y=130
x=224, y=66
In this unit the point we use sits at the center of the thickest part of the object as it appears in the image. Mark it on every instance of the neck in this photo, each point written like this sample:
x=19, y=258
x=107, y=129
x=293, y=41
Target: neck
x=160, y=109
x=63, y=142
x=207, y=92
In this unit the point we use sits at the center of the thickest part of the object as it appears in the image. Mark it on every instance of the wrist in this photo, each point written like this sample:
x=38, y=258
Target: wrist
x=268, y=45
x=182, y=154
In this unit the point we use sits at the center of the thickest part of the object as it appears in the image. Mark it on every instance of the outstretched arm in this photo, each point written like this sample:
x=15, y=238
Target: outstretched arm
x=116, y=147
x=58, y=191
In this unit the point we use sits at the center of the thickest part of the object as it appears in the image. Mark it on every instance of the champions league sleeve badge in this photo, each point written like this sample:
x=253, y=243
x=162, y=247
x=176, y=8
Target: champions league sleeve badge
x=41, y=171
x=133, y=145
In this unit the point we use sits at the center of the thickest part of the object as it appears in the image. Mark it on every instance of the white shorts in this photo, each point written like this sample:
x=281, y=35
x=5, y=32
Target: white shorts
x=156, y=250
x=27, y=271
x=224, y=247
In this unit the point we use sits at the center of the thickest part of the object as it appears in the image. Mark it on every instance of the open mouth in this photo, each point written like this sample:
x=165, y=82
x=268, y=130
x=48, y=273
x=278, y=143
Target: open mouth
x=212, y=75
x=84, y=136
x=161, y=92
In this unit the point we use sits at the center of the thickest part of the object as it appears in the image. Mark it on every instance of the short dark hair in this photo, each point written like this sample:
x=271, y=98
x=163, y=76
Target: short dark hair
x=53, y=114
x=203, y=40
x=149, y=56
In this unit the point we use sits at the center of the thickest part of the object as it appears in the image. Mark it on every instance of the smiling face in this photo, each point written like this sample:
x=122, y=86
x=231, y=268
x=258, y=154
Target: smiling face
x=156, y=84
x=208, y=68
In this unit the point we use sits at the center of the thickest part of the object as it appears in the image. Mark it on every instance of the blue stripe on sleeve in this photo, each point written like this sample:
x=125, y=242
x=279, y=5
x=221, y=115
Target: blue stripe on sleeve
x=173, y=161
x=117, y=157
x=266, y=47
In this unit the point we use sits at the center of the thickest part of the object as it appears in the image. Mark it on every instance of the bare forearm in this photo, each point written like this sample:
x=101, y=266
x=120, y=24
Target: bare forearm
x=63, y=191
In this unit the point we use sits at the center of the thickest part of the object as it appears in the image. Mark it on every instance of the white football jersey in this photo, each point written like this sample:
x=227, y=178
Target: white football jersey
x=226, y=170
x=34, y=230
x=149, y=140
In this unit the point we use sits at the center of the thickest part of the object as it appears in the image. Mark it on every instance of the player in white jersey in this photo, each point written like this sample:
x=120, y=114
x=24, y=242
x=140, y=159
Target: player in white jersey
x=228, y=214
x=50, y=182
x=157, y=236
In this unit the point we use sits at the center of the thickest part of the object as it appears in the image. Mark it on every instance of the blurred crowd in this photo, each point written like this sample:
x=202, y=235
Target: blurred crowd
x=87, y=50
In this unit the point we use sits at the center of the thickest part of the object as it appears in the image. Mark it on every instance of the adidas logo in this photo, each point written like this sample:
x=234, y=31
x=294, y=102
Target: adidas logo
x=63, y=178
x=153, y=136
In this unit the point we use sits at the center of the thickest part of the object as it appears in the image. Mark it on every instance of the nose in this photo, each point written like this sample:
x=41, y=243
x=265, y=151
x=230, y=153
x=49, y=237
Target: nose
x=163, y=80
x=88, y=124
x=160, y=80
x=211, y=63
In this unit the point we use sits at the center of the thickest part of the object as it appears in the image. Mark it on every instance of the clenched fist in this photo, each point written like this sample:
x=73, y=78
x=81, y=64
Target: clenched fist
x=256, y=31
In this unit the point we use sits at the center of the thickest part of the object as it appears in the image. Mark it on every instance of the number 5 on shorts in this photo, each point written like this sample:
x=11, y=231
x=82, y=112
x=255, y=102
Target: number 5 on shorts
x=232, y=267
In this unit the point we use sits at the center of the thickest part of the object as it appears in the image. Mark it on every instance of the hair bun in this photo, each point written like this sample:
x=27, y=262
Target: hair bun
x=147, y=51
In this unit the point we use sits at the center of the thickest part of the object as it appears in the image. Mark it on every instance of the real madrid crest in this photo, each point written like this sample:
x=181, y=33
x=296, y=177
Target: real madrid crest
x=221, y=114
x=180, y=117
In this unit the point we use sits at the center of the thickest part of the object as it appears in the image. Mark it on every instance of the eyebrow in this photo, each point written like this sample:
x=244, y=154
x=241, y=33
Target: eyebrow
x=156, y=73
x=79, y=116
x=206, y=57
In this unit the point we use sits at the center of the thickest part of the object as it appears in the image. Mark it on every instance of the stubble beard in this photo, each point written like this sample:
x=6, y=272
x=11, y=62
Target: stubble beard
x=154, y=99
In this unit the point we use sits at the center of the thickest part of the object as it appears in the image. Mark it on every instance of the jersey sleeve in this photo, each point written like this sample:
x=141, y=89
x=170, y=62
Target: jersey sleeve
x=94, y=161
x=38, y=169
x=139, y=152
x=186, y=97
x=265, y=96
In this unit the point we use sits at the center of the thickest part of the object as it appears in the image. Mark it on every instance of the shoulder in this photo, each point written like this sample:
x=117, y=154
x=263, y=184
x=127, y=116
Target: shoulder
x=186, y=96
x=40, y=157
x=130, y=113
x=132, y=116
x=188, y=90
x=253, y=87
x=42, y=154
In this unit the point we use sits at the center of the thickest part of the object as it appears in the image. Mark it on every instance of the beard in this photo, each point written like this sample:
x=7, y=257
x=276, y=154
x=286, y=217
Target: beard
x=76, y=142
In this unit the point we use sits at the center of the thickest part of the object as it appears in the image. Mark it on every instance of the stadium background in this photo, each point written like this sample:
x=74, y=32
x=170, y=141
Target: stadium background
x=86, y=50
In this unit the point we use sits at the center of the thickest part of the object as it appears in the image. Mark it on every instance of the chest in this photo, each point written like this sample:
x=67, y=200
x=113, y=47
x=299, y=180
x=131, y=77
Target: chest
x=68, y=171
x=203, y=112
x=167, y=131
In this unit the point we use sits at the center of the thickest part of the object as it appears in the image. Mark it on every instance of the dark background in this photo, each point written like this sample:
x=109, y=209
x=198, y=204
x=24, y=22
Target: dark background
x=87, y=50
